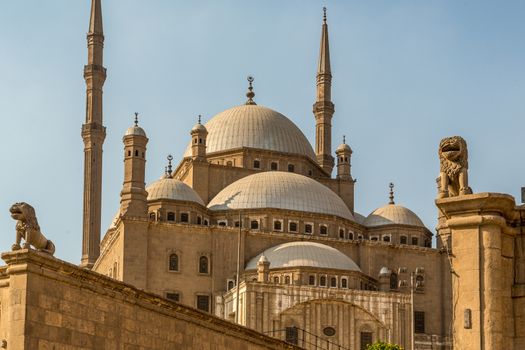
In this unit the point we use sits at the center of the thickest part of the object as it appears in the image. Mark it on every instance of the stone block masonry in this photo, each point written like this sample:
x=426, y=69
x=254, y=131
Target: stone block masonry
x=47, y=303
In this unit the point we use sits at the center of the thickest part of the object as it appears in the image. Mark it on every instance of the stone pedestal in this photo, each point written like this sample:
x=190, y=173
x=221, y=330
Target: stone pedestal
x=482, y=257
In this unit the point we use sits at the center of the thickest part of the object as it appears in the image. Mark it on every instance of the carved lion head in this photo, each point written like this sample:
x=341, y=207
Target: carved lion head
x=453, y=154
x=25, y=213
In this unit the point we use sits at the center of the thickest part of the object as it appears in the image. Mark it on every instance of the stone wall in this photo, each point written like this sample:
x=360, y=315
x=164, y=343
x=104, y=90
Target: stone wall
x=50, y=304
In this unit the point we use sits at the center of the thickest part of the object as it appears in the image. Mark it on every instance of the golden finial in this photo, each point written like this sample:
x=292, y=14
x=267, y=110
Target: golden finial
x=391, y=185
x=169, y=169
x=324, y=14
x=136, y=118
x=250, y=94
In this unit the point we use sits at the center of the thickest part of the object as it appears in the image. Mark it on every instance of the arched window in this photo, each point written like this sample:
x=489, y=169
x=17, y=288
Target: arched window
x=231, y=284
x=199, y=220
x=174, y=262
x=136, y=153
x=311, y=280
x=403, y=240
x=273, y=166
x=171, y=216
x=254, y=225
x=287, y=279
x=291, y=168
x=200, y=141
x=374, y=238
x=323, y=230
x=308, y=228
x=415, y=241
x=205, y=222
x=276, y=279
x=203, y=264
x=393, y=280
x=386, y=238
x=350, y=235
x=293, y=227
x=322, y=281
x=229, y=163
x=341, y=233
x=152, y=216
x=333, y=282
x=184, y=217
x=222, y=223
x=257, y=164
x=129, y=153
x=277, y=225
x=344, y=283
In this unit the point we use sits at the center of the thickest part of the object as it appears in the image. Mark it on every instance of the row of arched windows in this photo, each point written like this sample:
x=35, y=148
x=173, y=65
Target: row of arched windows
x=174, y=263
x=324, y=281
x=274, y=166
x=183, y=218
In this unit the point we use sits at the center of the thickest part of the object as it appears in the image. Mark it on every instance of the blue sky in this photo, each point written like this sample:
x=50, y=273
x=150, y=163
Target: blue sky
x=405, y=75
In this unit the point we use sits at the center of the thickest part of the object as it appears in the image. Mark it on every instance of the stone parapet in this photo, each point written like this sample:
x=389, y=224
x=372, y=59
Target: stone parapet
x=48, y=303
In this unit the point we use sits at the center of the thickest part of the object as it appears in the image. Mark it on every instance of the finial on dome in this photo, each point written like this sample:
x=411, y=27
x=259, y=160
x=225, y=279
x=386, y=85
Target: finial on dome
x=136, y=118
x=344, y=139
x=199, y=121
x=391, y=185
x=250, y=94
x=169, y=168
x=324, y=14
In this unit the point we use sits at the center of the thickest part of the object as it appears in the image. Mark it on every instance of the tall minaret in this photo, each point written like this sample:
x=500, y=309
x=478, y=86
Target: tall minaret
x=93, y=134
x=323, y=106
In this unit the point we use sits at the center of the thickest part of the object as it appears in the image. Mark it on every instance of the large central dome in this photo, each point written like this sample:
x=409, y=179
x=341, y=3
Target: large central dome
x=280, y=190
x=254, y=126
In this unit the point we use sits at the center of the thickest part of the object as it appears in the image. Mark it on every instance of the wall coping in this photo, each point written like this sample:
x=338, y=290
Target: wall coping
x=29, y=261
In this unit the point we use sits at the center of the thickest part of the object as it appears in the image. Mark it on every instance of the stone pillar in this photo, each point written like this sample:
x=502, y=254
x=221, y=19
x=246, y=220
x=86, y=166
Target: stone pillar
x=482, y=252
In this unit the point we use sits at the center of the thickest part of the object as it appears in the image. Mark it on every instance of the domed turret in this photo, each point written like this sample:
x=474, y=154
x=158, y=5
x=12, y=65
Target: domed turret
x=344, y=154
x=133, y=194
x=199, y=133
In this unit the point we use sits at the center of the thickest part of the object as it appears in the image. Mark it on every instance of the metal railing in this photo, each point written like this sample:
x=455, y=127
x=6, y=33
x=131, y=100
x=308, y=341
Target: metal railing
x=305, y=339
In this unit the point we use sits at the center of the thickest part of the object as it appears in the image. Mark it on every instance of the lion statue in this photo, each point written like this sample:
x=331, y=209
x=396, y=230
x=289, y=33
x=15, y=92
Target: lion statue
x=453, y=167
x=28, y=229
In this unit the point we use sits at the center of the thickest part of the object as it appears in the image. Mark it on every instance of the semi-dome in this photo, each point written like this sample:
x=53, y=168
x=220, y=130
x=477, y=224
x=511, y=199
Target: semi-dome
x=304, y=254
x=169, y=188
x=393, y=214
x=280, y=190
x=254, y=126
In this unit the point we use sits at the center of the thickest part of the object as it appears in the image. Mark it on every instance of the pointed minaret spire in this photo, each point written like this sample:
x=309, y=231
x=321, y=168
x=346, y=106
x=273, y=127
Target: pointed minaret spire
x=391, y=185
x=93, y=134
x=323, y=106
x=95, y=22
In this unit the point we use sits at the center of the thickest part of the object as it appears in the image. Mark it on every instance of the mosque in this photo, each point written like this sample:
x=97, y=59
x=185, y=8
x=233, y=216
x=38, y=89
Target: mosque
x=251, y=225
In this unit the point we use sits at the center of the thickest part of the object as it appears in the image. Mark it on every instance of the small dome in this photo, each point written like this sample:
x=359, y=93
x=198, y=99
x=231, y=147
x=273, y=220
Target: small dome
x=392, y=214
x=135, y=130
x=168, y=188
x=385, y=272
x=280, y=190
x=305, y=254
x=263, y=259
x=343, y=148
x=257, y=127
x=199, y=128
